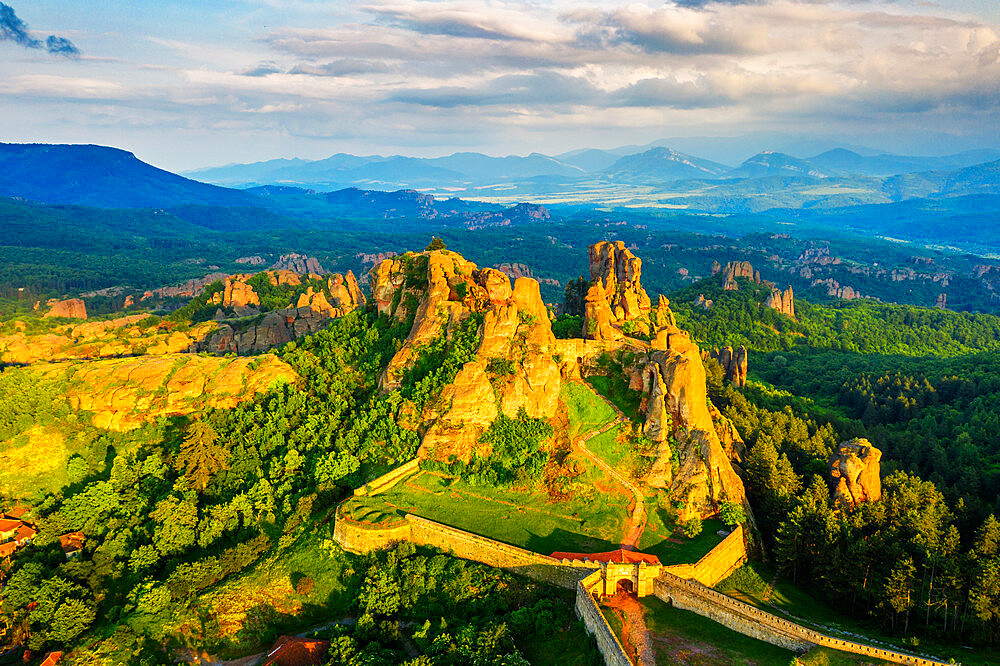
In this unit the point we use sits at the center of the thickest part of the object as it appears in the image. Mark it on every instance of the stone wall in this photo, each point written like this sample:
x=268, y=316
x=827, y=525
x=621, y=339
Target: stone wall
x=756, y=623
x=728, y=556
x=586, y=608
x=389, y=479
x=562, y=573
x=363, y=538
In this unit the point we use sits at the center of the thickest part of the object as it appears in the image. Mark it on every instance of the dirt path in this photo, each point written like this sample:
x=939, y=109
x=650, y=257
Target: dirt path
x=634, y=632
x=637, y=516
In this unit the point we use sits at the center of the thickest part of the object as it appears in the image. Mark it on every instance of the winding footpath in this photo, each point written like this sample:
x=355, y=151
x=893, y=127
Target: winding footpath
x=637, y=517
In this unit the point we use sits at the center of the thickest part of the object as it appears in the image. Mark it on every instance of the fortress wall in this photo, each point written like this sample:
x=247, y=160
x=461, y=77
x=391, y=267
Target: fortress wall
x=586, y=608
x=728, y=556
x=363, y=538
x=496, y=554
x=389, y=479
x=751, y=621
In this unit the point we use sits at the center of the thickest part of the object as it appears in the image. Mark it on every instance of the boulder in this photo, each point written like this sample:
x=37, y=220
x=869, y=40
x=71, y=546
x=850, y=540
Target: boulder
x=855, y=473
x=73, y=308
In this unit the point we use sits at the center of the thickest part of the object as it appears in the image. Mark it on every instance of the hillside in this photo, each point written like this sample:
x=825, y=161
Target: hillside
x=100, y=176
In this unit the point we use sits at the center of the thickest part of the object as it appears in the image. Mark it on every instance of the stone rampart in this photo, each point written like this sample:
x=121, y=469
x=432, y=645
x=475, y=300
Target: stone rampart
x=562, y=573
x=389, y=479
x=586, y=608
x=752, y=621
x=728, y=556
x=360, y=538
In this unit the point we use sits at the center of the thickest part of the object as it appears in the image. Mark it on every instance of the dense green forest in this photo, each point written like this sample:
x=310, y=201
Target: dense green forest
x=197, y=501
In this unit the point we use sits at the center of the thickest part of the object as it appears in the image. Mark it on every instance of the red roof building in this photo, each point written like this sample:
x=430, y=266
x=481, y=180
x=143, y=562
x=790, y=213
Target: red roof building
x=72, y=543
x=8, y=528
x=295, y=651
x=7, y=549
x=52, y=658
x=24, y=534
x=613, y=557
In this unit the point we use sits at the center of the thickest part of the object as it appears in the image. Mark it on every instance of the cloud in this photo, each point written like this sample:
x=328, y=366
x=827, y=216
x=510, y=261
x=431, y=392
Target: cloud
x=13, y=29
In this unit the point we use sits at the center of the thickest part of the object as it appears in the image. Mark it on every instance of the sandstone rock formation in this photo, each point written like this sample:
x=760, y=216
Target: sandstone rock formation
x=855, y=473
x=255, y=260
x=833, y=288
x=73, y=308
x=189, y=289
x=737, y=269
x=442, y=290
x=275, y=328
x=123, y=394
x=673, y=381
x=783, y=302
x=238, y=295
x=942, y=301
x=704, y=303
x=616, y=295
x=299, y=263
x=734, y=363
x=123, y=336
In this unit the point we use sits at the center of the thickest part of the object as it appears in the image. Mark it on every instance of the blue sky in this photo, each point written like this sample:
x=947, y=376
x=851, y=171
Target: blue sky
x=185, y=84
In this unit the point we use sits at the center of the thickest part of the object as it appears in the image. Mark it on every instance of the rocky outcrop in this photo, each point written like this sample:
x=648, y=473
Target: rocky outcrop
x=855, y=473
x=238, y=296
x=189, y=289
x=737, y=269
x=833, y=288
x=699, y=474
x=442, y=290
x=734, y=363
x=942, y=302
x=73, y=308
x=274, y=328
x=703, y=303
x=783, y=302
x=124, y=336
x=616, y=295
x=299, y=263
x=255, y=260
x=123, y=394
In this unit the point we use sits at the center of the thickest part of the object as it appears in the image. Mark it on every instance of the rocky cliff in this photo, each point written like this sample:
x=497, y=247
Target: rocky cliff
x=122, y=394
x=73, y=308
x=616, y=296
x=783, y=302
x=736, y=269
x=123, y=336
x=697, y=468
x=441, y=290
x=855, y=473
x=734, y=363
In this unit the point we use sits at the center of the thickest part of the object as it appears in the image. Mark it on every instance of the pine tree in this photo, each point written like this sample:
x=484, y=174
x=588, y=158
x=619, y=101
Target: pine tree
x=200, y=457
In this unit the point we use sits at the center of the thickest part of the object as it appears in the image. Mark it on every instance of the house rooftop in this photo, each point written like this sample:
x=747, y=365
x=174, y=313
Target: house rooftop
x=620, y=556
x=295, y=651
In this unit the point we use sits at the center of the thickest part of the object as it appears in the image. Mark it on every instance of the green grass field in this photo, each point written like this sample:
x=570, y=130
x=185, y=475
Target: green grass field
x=683, y=637
x=617, y=391
x=586, y=410
x=681, y=550
x=592, y=521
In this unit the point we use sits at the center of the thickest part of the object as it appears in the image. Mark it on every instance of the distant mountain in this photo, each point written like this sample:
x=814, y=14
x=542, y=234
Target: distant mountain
x=339, y=171
x=590, y=159
x=768, y=164
x=885, y=164
x=104, y=177
x=663, y=164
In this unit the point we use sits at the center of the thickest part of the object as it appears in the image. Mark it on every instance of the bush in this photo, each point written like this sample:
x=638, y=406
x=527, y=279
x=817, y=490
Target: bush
x=692, y=527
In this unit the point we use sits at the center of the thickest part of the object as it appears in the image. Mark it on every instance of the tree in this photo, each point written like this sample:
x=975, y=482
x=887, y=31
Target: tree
x=200, y=457
x=436, y=244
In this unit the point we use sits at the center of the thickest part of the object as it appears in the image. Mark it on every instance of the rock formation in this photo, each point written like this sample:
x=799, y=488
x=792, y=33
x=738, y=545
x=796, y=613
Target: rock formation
x=833, y=288
x=855, y=473
x=125, y=393
x=734, y=363
x=783, y=302
x=704, y=303
x=737, y=269
x=238, y=296
x=442, y=290
x=298, y=263
x=699, y=475
x=73, y=308
x=942, y=301
x=189, y=289
x=616, y=295
x=255, y=260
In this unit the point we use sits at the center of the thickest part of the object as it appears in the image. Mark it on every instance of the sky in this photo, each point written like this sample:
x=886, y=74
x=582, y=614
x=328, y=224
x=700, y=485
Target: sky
x=187, y=84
